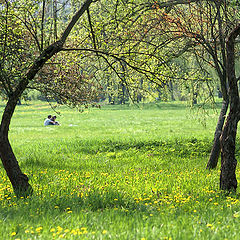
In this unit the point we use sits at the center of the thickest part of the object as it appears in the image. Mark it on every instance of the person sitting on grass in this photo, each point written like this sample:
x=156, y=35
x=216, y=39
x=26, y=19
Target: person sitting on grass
x=53, y=119
x=48, y=121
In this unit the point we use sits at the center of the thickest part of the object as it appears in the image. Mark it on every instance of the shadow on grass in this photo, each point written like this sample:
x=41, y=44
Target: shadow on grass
x=61, y=156
x=37, y=207
x=102, y=146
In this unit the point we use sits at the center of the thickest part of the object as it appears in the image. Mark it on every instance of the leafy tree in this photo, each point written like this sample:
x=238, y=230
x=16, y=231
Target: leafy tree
x=207, y=27
x=19, y=66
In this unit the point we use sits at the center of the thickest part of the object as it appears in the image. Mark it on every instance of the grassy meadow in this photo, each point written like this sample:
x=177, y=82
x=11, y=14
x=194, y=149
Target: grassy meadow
x=119, y=172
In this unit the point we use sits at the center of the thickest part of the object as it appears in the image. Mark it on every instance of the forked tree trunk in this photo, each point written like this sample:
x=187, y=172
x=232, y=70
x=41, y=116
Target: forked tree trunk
x=215, y=152
x=222, y=74
x=228, y=181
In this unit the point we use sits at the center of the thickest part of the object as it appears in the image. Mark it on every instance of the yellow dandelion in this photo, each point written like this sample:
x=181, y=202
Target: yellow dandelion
x=39, y=229
x=59, y=229
x=74, y=232
x=236, y=215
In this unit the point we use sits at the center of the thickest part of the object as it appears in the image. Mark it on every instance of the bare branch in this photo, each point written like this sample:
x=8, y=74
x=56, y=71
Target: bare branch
x=75, y=18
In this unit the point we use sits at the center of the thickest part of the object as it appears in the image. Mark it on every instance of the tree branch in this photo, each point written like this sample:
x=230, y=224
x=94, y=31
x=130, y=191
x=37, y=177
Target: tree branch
x=75, y=18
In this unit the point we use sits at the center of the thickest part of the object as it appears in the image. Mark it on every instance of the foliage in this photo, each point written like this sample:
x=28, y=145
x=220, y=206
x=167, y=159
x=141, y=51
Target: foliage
x=28, y=28
x=195, y=33
x=68, y=83
x=16, y=50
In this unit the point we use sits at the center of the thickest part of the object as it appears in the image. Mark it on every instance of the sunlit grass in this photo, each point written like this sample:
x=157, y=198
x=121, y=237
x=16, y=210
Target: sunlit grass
x=116, y=173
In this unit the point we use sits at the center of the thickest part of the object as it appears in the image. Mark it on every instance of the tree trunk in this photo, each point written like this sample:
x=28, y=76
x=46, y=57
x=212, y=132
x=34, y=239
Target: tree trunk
x=171, y=91
x=228, y=181
x=215, y=152
x=214, y=155
x=18, y=180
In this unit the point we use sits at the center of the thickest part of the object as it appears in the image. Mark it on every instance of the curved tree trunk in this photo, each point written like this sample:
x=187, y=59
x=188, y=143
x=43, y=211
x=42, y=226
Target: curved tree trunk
x=215, y=152
x=228, y=181
x=18, y=179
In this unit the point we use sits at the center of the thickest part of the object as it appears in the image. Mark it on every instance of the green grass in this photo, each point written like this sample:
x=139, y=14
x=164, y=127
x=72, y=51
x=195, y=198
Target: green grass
x=120, y=172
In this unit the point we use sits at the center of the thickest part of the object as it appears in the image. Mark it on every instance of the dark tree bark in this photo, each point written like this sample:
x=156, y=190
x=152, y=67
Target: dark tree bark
x=171, y=90
x=221, y=71
x=215, y=152
x=19, y=180
x=228, y=181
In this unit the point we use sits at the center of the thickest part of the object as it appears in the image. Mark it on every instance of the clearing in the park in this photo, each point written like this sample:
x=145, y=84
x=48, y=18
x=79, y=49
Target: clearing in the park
x=119, y=172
